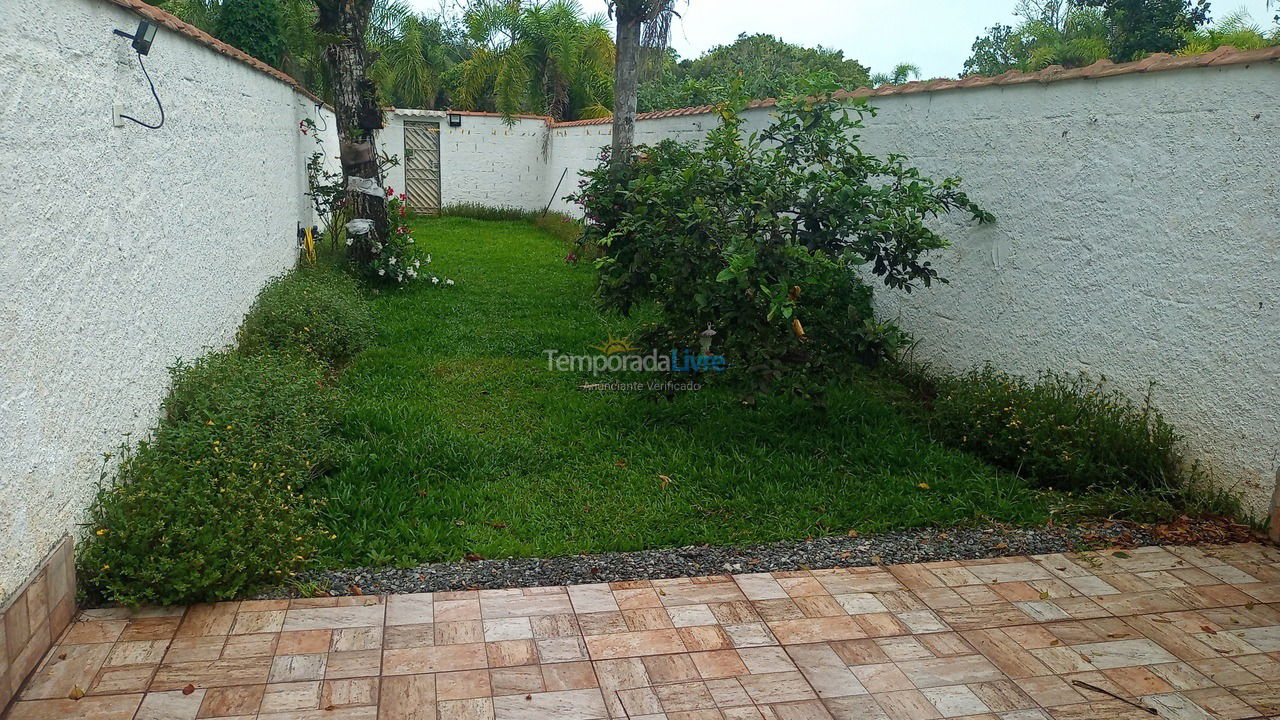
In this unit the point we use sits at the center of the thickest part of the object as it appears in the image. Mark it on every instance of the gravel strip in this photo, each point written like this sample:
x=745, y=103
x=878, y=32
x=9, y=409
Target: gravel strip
x=892, y=548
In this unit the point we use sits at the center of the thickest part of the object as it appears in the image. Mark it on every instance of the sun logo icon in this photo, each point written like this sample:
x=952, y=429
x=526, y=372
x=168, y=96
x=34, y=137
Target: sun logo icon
x=616, y=346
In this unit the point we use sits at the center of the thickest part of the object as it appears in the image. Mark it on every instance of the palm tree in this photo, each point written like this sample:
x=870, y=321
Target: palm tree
x=1081, y=40
x=542, y=58
x=902, y=72
x=412, y=59
x=641, y=23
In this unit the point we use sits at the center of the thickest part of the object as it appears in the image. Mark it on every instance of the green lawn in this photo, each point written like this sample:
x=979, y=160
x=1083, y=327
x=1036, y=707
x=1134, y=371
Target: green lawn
x=462, y=441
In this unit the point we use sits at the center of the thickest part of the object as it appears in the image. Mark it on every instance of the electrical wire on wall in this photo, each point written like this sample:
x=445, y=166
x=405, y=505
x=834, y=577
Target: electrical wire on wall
x=154, y=94
x=320, y=115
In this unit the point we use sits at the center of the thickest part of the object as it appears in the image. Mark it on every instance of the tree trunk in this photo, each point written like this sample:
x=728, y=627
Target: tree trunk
x=358, y=115
x=625, y=82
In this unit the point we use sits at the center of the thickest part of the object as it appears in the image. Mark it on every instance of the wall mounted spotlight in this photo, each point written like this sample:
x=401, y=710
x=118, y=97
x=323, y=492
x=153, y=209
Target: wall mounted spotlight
x=142, y=38
x=455, y=120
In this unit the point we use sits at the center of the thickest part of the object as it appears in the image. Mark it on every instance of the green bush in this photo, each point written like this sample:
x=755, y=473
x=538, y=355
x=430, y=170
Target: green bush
x=318, y=311
x=1066, y=432
x=558, y=225
x=476, y=211
x=210, y=507
x=759, y=236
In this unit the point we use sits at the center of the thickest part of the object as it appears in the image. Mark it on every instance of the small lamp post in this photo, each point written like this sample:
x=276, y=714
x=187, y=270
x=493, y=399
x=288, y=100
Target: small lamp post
x=704, y=339
x=455, y=120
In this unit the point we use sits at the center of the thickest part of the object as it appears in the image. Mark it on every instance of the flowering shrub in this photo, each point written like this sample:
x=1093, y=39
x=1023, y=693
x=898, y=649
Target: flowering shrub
x=760, y=238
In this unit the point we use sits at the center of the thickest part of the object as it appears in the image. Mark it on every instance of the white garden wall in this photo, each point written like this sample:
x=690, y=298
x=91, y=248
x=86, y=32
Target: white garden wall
x=124, y=248
x=1138, y=238
x=485, y=161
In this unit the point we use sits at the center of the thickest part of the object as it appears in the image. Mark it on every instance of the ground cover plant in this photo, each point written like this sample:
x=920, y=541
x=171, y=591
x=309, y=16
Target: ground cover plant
x=210, y=506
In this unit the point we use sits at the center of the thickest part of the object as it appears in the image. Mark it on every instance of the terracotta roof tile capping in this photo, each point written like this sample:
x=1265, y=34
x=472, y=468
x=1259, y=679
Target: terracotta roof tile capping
x=1225, y=55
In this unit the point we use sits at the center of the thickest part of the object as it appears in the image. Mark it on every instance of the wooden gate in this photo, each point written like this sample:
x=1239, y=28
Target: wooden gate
x=422, y=166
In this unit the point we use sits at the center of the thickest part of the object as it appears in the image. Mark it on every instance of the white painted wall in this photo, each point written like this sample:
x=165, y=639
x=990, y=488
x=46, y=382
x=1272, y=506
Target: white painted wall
x=484, y=161
x=1138, y=238
x=123, y=248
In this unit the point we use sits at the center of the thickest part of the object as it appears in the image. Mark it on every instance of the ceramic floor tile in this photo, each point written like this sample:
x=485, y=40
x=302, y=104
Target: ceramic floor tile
x=1190, y=632
x=585, y=704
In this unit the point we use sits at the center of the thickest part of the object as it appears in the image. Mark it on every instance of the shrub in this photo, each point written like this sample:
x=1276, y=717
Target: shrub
x=558, y=225
x=1066, y=432
x=210, y=507
x=477, y=211
x=318, y=311
x=760, y=237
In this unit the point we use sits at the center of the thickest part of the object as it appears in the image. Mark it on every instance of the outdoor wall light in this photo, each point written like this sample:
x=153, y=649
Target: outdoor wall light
x=455, y=120
x=142, y=38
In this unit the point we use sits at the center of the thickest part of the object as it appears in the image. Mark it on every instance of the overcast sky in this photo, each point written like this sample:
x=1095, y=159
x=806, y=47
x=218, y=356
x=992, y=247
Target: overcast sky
x=934, y=34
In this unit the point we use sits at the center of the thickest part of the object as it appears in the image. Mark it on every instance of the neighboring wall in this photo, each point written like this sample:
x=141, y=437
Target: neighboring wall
x=124, y=248
x=484, y=161
x=1138, y=238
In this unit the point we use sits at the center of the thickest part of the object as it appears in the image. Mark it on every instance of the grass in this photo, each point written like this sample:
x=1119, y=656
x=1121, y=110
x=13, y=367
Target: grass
x=462, y=442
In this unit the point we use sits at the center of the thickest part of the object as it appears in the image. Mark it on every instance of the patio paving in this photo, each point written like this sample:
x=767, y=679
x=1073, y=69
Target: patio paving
x=1191, y=633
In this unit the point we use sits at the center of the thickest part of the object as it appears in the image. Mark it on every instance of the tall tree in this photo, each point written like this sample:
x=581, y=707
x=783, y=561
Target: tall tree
x=254, y=26
x=994, y=53
x=765, y=66
x=641, y=23
x=345, y=24
x=1077, y=37
x=542, y=57
x=1139, y=27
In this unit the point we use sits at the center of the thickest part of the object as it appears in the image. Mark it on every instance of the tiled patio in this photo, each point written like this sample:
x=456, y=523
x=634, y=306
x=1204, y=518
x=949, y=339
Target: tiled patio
x=1190, y=633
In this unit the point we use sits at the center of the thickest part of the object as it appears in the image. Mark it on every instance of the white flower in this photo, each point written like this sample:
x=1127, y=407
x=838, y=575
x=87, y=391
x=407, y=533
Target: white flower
x=412, y=273
x=416, y=263
x=350, y=241
x=428, y=258
x=435, y=280
x=381, y=271
x=391, y=260
x=448, y=282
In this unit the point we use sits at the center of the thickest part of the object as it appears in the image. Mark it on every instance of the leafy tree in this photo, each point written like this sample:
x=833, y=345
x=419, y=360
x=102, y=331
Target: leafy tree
x=1051, y=34
x=902, y=72
x=760, y=236
x=543, y=58
x=1140, y=27
x=764, y=65
x=994, y=53
x=253, y=26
